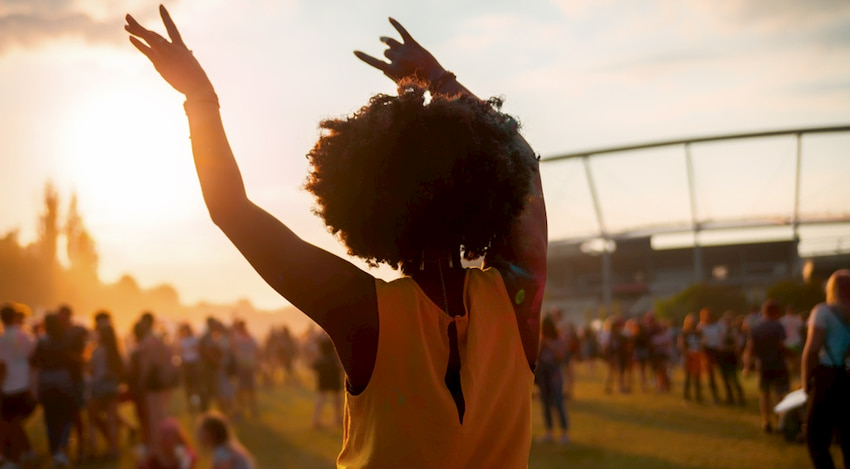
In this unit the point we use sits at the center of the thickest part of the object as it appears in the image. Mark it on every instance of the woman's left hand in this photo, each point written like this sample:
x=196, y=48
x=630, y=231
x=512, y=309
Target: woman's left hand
x=406, y=58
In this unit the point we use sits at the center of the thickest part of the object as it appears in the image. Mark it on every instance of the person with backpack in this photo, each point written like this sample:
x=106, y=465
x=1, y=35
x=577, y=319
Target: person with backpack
x=826, y=372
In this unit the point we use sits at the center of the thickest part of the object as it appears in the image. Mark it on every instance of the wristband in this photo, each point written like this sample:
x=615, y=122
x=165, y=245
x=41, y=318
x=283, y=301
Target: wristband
x=203, y=100
x=445, y=77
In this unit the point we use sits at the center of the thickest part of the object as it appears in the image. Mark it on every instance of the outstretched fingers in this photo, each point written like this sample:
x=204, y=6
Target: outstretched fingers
x=153, y=39
x=149, y=53
x=404, y=34
x=377, y=63
x=390, y=42
x=173, y=33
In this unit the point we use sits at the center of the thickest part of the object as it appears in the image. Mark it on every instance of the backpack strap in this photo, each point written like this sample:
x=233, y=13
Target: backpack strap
x=839, y=363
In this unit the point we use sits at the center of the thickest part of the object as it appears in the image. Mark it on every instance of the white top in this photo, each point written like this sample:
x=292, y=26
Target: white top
x=190, y=349
x=792, y=324
x=712, y=334
x=16, y=346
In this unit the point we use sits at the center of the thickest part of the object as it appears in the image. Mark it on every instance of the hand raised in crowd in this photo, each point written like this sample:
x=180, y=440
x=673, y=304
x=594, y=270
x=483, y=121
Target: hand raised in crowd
x=173, y=60
x=405, y=58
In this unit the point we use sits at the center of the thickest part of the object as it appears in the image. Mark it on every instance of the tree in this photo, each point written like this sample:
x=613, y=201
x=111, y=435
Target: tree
x=719, y=298
x=48, y=227
x=82, y=253
x=802, y=296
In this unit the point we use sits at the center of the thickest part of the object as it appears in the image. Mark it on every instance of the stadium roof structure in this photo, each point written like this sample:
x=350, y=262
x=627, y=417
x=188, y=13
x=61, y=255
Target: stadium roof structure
x=789, y=178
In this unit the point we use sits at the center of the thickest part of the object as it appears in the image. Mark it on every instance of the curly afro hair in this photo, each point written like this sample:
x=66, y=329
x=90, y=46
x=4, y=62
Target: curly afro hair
x=400, y=176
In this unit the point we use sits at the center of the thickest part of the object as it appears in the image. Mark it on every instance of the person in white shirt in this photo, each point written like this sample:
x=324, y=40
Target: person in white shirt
x=793, y=324
x=16, y=398
x=189, y=350
x=712, y=332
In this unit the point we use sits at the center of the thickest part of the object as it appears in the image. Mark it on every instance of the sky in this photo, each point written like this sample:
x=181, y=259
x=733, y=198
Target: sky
x=81, y=107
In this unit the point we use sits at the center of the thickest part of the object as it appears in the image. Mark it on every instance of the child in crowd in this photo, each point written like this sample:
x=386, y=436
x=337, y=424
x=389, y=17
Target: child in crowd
x=175, y=449
x=214, y=434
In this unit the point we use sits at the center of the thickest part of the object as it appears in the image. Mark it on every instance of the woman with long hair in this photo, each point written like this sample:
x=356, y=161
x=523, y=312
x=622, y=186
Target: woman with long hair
x=106, y=367
x=825, y=373
x=690, y=346
x=438, y=362
x=157, y=375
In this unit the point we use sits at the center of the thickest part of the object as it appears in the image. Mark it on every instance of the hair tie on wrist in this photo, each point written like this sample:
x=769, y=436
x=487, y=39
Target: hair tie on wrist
x=441, y=80
x=202, y=100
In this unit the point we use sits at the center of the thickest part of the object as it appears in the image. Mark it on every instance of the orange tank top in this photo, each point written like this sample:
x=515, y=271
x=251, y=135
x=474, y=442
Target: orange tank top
x=406, y=416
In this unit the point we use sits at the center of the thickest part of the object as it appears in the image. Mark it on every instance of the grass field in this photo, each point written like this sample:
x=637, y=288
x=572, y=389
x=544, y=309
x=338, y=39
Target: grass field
x=638, y=430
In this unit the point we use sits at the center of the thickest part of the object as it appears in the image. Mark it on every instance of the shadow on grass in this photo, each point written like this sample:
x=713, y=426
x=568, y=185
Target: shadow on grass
x=580, y=456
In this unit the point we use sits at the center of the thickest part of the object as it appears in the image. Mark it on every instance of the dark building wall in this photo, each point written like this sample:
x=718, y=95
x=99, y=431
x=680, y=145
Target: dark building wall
x=637, y=270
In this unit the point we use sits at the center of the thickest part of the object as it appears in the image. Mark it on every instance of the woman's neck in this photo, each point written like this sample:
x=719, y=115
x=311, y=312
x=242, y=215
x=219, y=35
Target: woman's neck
x=433, y=261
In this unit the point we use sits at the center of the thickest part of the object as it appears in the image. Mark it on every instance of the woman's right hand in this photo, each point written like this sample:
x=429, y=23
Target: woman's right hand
x=406, y=58
x=173, y=60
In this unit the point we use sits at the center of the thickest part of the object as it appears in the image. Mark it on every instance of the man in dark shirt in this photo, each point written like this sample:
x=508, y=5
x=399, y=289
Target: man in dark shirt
x=765, y=346
x=74, y=340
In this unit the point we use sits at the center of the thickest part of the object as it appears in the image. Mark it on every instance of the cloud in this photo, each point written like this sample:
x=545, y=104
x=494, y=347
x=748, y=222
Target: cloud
x=30, y=23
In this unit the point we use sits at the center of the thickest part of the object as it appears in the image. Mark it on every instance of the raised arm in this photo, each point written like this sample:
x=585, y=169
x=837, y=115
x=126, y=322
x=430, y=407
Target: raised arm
x=336, y=294
x=521, y=257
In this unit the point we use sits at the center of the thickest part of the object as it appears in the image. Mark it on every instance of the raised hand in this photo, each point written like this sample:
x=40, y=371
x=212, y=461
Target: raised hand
x=173, y=60
x=405, y=58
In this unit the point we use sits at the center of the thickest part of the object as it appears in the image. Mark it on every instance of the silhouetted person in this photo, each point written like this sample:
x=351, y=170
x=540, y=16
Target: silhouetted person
x=16, y=399
x=57, y=390
x=826, y=372
x=712, y=332
x=550, y=380
x=793, y=324
x=106, y=368
x=189, y=349
x=75, y=339
x=415, y=186
x=328, y=382
x=727, y=359
x=766, y=350
x=157, y=375
x=246, y=355
x=690, y=345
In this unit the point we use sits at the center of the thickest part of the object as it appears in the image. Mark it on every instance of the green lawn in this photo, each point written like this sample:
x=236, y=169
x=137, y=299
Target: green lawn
x=608, y=431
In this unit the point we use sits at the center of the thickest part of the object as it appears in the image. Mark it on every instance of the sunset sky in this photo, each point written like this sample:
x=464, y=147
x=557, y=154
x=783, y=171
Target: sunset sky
x=81, y=107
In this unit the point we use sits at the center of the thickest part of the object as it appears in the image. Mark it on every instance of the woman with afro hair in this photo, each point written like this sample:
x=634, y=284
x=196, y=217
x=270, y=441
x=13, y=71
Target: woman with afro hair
x=439, y=362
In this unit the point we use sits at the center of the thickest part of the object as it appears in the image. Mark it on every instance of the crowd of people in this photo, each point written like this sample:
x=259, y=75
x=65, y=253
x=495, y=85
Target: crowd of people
x=781, y=348
x=81, y=376
x=643, y=351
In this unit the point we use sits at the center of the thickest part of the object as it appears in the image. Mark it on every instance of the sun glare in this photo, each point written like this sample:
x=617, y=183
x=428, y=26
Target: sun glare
x=127, y=154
